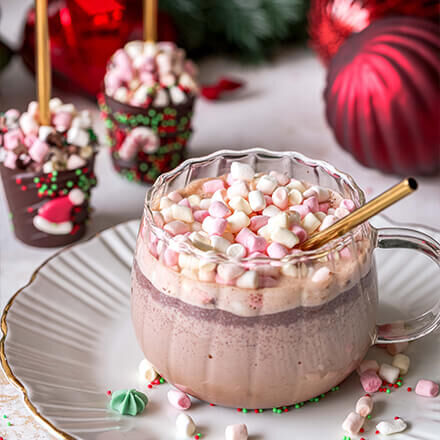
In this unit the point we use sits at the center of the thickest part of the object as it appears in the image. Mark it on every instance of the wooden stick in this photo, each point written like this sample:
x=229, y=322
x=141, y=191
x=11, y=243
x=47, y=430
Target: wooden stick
x=150, y=20
x=362, y=214
x=43, y=61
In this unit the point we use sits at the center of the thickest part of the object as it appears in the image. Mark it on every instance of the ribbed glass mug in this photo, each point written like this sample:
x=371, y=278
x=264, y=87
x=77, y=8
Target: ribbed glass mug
x=285, y=342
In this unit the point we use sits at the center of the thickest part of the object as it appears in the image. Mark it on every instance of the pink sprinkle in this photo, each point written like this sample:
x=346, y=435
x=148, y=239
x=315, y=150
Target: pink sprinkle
x=300, y=232
x=370, y=381
x=219, y=209
x=348, y=205
x=211, y=186
x=175, y=197
x=276, y=250
x=324, y=207
x=312, y=204
x=258, y=222
x=200, y=215
x=302, y=210
x=176, y=227
x=170, y=257
x=214, y=226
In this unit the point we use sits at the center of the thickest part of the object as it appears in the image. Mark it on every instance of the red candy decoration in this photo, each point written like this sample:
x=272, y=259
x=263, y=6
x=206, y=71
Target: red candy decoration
x=331, y=22
x=215, y=91
x=383, y=99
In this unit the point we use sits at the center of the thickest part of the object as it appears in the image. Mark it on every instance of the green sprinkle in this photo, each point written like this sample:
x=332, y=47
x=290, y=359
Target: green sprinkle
x=9, y=423
x=78, y=172
x=162, y=380
x=69, y=184
x=151, y=112
x=5, y=416
x=274, y=410
x=322, y=395
x=297, y=406
x=36, y=179
x=244, y=410
x=44, y=186
x=55, y=173
x=337, y=388
x=260, y=410
x=279, y=411
x=369, y=416
x=54, y=186
x=11, y=215
x=388, y=391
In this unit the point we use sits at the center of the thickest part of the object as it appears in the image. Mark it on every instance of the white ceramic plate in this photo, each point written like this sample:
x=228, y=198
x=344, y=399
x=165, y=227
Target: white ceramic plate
x=68, y=339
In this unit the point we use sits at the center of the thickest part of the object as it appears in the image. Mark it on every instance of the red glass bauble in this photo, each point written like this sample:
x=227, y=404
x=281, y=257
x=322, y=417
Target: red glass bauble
x=83, y=36
x=331, y=22
x=383, y=96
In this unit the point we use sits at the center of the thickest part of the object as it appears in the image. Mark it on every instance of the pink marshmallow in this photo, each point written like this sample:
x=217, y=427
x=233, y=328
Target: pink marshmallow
x=185, y=202
x=276, y=250
x=397, y=347
x=175, y=196
x=12, y=139
x=220, y=280
x=29, y=140
x=124, y=66
x=327, y=222
x=170, y=257
x=427, y=388
x=300, y=232
x=268, y=199
x=113, y=81
x=345, y=253
x=302, y=210
x=324, y=207
x=312, y=204
x=62, y=120
x=179, y=399
x=200, y=215
x=10, y=160
x=244, y=236
x=348, y=205
x=177, y=227
x=253, y=243
x=158, y=219
x=258, y=222
x=211, y=186
x=280, y=198
x=38, y=150
x=214, y=226
x=370, y=381
x=219, y=209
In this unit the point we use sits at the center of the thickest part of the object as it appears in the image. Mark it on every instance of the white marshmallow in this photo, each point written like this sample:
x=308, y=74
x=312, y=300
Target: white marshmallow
x=236, y=432
x=320, y=216
x=281, y=220
x=353, y=423
x=229, y=272
x=185, y=425
x=271, y=210
x=242, y=171
x=167, y=214
x=238, y=203
x=392, y=427
x=165, y=202
x=322, y=275
x=267, y=184
x=200, y=241
x=205, y=203
x=183, y=213
x=140, y=95
x=68, y=108
x=364, y=406
x=311, y=223
x=220, y=243
x=44, y=131
x=219, y=195
x=368, y=365
x=120, y=94
x=146, y=371
x=28, y=124
x=327, y=222
x=257, y=200
x=249, y=280
x=284, y=237
x=236, y=250
x=194, y=200
x=295, y=197
x=321, y=193
x=264, y=232
x=237, y=221
x=389, y=373
x=78, y=136
x=289, y=270
x=161, y=98
x=238, y=189
x=341, y=212
x=134, y=48
x=296, y=184
x=75, y=161
x=401, y=361
x=54, y=104
x=188, y=262
x=178, y=96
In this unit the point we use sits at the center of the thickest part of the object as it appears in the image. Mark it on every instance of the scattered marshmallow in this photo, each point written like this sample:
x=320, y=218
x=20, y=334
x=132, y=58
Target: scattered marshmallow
x=146, y=371
x=364, y=406
x=185, y=425
x=220, y=243
x=78, y=136
x=295, y=197
x=215, y=226
x=391, y=427
x=427, y=388
x=271, y=210
x=368, y=365
x=370, y=381
x=211, y=186
x=397, y=347
x=401, y=361
x=280, y=198
x=353, y=423
x=236, y=432
x=389, y=373
x=179, y=399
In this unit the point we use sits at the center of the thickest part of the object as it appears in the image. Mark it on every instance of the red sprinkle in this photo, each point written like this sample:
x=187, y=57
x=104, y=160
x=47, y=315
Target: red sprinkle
x=396, y=386
x=239, y=409
x=377, y=432
x=255, y=410
x=409, y=389
x=362, y=430
x=150, y=386
x=109, y=393
x=23, y=188
x=396, y=418
x=29, y=209
x=212, y=404
x=368, y=395
x=18, y=181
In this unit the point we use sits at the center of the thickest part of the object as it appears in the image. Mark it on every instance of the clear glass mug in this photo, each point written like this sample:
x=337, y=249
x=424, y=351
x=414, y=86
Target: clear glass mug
x=291, y=339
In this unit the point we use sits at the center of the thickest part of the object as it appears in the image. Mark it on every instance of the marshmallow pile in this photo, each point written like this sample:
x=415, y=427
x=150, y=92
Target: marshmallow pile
x=144, y=73
x=66, y=144
x=244, y=215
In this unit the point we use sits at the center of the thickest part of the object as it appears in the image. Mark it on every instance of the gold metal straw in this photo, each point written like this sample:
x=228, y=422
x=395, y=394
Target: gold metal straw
x=43, y=61
x=362, y=214
x=150, y=20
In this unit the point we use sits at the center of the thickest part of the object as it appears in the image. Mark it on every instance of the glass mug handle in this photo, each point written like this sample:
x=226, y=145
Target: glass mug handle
x=392, y=238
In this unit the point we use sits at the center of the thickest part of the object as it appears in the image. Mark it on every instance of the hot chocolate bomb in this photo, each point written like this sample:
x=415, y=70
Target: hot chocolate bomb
x=149, y=94
x=47, y=173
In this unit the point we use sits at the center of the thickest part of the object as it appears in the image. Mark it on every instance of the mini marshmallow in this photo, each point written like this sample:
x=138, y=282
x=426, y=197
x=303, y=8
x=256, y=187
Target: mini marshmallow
x=220, y=195
x=38, y=150
x=370, y=381
x=182, y=213
x=54, y=104
x=177, y=227
x=229, y=272
x=13, y=138
x=179, y=399
x=321, y=193
x=78, y=136
x=353, y=423
x=320, y=216
x=427, y=388
x=188, y=262
x=280, y=198
x=28, y=124
x=391, y=427
x=312, y=204
x=196, y=226
x=236, y=432
x=348, y=205
x=397, y=347
x=200, y=241
x=256, y=200
x=205, y=203
x=300, y=232
x=311, y=223
x=167, y=215
x=211, y=186
x=134, y=48
x=280, y=220
x=161, y=98
x=364, y=406
x=300, y=209
x=238, y=189
x=368, y=365
x=296, y=184
x=401, y=361
x=146, y=371
x=44, y=131
x=277, y=250
x=200, y=215
x=220, y=243
x=175, y=196
x=215, y=226
x=237, y=221
x=170, y=257
x=284, y=237
x=75, y=161
x=271, y=210
x=289, y=270
x=258, y=222
x=249, y=280
x=282, y=178
x=178, y=96
x=265, y=232
x=194, y=200
x=327, y=222
x=219, y=209
x=236, y=250
x=185, y=426
x=267, y=184
x=389, y=373
x=238, y=203
x=242, y=171
x=322, y=275
x=341, y=212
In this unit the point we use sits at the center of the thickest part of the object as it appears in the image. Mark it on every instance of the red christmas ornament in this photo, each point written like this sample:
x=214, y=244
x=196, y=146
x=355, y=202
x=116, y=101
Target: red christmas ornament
x=83, y=36
x=383, y=96
x=331, y=22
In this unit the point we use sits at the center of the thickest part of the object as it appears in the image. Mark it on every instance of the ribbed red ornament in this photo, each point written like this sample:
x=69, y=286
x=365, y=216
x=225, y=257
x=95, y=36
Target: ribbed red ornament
x=383, y=96
x=331, y=22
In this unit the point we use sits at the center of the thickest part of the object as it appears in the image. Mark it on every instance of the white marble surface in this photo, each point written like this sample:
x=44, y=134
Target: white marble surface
x=281, y=109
